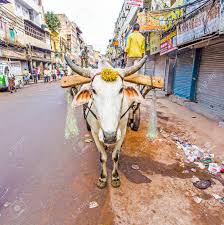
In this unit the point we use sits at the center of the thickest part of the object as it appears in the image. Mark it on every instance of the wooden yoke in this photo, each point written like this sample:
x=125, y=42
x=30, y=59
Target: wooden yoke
x=155, y=82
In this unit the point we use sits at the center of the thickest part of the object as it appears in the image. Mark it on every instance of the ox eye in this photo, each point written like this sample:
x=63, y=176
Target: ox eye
x=120, y=92
x=94, y=91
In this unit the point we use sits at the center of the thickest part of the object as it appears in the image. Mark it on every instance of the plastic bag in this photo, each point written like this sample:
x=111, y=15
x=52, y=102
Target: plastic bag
x=152, y=130
x=71, y=128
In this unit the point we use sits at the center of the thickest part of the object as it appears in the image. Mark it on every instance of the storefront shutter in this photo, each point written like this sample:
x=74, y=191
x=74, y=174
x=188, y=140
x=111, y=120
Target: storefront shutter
x=210, y=85
x=183, y=74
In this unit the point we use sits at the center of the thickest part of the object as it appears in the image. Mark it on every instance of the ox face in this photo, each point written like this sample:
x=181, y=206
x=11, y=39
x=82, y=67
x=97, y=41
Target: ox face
x=108, y=98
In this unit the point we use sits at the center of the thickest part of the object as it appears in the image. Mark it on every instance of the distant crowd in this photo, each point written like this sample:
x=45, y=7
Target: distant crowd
x=49, y=75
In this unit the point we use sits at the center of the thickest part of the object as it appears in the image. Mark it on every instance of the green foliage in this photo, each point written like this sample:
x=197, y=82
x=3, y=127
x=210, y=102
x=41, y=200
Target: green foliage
x=52, y=21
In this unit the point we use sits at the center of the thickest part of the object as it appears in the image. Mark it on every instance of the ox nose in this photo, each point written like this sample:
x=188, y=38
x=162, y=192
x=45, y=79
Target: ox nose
x=109, y=137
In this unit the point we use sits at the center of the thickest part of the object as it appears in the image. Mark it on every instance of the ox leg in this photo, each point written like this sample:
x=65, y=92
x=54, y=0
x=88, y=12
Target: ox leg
x=102, y=182
x=115, y=156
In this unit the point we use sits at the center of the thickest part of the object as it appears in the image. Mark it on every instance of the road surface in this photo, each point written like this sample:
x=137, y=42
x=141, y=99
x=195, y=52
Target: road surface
x=44, y=179
x=47, y=180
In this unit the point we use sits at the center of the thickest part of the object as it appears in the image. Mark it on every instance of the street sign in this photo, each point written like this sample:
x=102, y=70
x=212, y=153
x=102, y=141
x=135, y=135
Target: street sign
x=137, y=3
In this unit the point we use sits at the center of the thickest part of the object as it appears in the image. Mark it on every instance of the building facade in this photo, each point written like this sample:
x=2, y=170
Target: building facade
x=72, y=33
x=185, y=45
x=22, y=27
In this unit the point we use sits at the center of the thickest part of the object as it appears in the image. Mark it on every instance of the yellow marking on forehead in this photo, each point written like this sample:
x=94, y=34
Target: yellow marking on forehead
x=109, y=75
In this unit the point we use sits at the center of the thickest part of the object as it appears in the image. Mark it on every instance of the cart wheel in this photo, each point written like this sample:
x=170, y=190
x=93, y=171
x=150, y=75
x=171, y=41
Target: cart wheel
x=73, y=91
x=136, y=120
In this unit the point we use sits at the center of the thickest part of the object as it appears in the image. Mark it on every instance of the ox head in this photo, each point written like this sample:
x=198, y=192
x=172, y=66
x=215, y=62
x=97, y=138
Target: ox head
x=108, y=92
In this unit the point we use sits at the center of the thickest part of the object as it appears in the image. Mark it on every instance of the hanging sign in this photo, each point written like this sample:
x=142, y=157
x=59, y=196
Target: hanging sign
x=168, y=41
x=138, y=3
x=150, y=22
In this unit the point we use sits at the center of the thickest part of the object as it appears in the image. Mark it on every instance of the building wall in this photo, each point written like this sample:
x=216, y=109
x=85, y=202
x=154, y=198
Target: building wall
x=11, y=27
x=29, y=9
x=70, y=31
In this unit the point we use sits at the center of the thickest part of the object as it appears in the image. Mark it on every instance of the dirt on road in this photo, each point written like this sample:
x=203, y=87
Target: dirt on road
x=161, y=191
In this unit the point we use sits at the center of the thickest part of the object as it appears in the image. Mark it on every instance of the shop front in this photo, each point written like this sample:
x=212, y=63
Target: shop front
x=210, y=84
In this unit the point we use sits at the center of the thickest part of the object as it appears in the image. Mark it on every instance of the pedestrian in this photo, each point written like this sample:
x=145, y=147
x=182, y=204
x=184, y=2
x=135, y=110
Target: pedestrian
x=49, y=75
x=62, y=73
x=84, y=57
x=26, y=76
x=11, y=81
x=54, y=74
x=35, y=75
x=135, y=48
x=45, y=75
x=123, y=60
x=58, y=72
x=38, y=73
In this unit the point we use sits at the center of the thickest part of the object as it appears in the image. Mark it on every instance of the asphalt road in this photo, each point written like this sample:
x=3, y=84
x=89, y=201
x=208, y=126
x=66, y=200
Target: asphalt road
x=45, y=179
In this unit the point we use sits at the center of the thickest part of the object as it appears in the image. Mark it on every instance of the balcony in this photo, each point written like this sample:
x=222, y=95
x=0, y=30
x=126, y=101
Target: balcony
x=35, y=36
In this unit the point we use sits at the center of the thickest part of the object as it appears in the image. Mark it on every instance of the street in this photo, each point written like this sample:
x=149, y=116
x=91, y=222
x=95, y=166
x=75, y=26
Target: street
x=47, y=180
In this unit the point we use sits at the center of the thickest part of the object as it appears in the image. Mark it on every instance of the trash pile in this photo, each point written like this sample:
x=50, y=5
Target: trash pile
x=202, y=158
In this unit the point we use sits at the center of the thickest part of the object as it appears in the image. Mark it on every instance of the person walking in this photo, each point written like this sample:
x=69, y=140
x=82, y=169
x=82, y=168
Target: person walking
x=38, y=73
x=45, y=75
x=35, y=75
x=54, y=74
x=58, y=73
x=62, y=73
x=84, y=57
x=135, y=48
x=26, y=76
x=11, y=81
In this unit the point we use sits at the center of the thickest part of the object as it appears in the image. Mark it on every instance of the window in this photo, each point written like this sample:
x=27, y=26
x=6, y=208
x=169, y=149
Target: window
x=12, y=35
x=34, y=32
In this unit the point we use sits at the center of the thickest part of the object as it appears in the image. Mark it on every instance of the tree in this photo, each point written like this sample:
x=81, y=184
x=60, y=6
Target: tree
x=52, y=21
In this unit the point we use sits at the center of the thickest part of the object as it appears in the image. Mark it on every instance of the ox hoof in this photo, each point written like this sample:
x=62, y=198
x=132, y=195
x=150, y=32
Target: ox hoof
x=116, y=183
x=101, y=184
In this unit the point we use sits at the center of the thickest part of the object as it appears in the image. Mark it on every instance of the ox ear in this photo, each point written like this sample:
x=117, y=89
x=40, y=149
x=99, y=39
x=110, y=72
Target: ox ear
x=82, y=97
x=133, y=94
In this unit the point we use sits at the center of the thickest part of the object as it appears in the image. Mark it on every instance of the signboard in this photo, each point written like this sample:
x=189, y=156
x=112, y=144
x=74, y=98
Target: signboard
x=151, y=22
x=168, y=41
x=154, y=43
x=202, y=24
x=138, y=3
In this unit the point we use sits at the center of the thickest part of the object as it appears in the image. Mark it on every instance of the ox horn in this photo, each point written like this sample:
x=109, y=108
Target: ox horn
x=133, y=69
x=77, y=69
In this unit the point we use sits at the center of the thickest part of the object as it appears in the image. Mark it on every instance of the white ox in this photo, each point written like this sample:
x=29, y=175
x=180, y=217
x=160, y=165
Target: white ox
x=107, y=102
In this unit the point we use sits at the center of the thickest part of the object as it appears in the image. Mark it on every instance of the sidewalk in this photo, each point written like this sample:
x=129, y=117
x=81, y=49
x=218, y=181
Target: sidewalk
x=191, y=126
x=157, y=181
